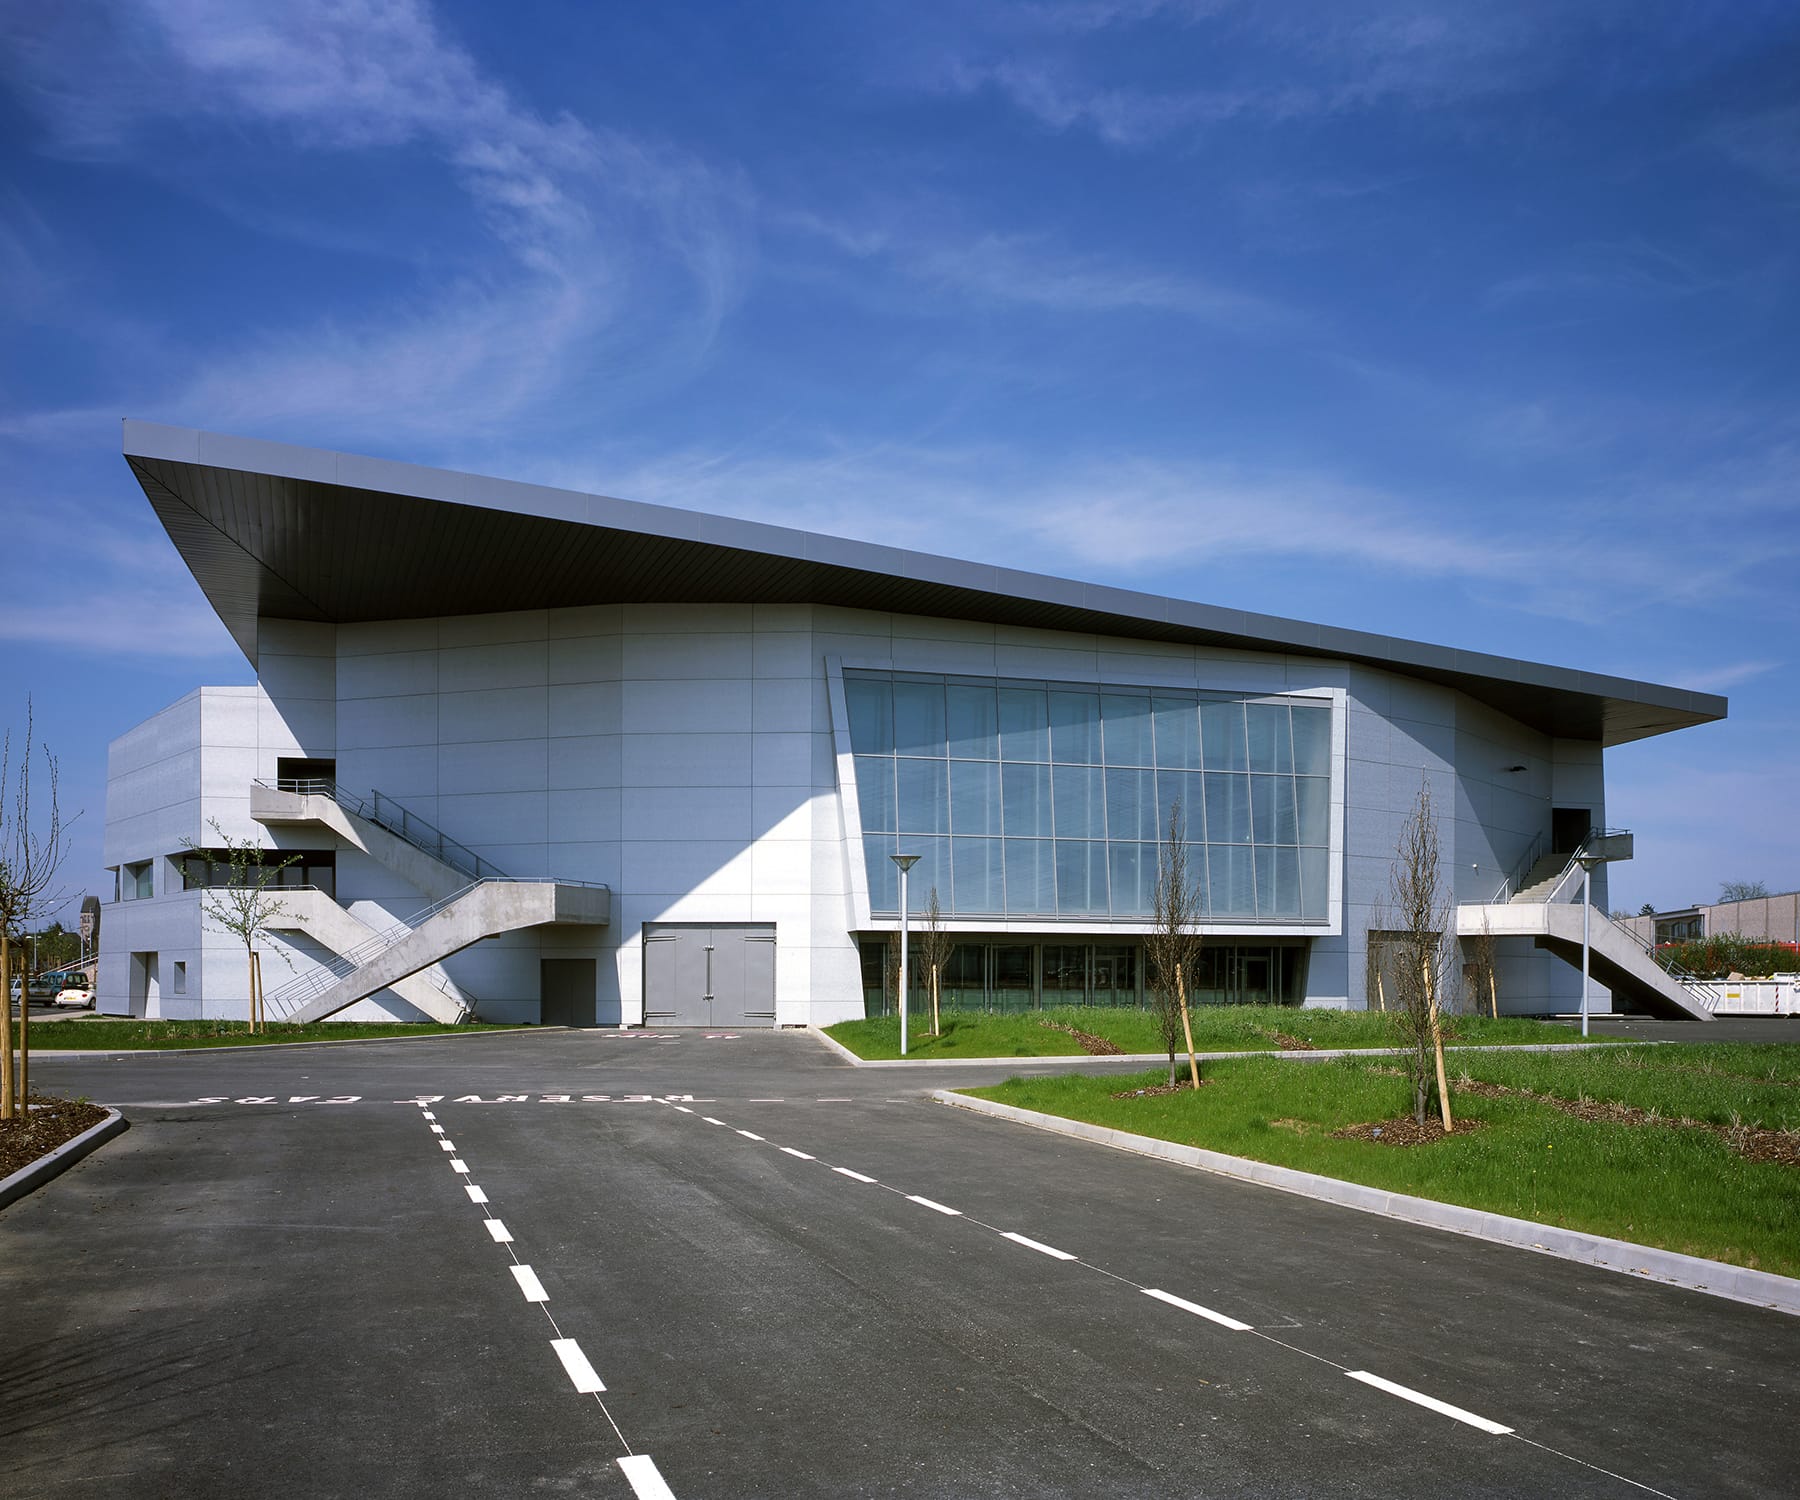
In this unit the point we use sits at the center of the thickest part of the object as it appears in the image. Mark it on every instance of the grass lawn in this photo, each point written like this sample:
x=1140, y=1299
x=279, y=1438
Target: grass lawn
x=1680, y=1188
x=134, y=1036
x=1217, y=1028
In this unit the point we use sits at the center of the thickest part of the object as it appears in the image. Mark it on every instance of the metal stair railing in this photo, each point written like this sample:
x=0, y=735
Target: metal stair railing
x=384, y=812
x=310, y=985
x=1515, y=878
x=1703, y=990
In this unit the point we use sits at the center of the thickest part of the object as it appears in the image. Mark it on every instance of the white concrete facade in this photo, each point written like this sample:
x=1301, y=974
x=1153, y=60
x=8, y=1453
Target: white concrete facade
x=688, y=756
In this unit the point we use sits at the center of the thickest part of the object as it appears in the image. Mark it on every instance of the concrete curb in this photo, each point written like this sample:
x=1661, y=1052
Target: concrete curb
x=1762, y=1288
x=350, y=1041
x=28, y=1178
x=1149, y=1059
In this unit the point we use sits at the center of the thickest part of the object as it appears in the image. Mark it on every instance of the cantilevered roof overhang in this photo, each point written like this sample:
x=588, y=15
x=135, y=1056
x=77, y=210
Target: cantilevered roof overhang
x=273, y=531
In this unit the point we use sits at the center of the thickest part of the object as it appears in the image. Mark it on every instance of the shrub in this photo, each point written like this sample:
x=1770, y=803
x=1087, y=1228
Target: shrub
x=1731, y=953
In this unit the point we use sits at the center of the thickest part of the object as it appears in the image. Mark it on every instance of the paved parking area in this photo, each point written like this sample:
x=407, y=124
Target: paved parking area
x=731, y=1265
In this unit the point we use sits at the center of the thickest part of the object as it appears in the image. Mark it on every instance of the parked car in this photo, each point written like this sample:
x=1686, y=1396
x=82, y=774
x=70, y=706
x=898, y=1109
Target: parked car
x=78, y=995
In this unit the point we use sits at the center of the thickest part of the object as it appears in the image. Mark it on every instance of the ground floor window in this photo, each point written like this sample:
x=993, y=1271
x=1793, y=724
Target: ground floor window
x=998, y=974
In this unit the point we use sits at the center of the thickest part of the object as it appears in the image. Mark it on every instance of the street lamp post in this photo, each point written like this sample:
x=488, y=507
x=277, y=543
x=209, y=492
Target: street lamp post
x=1587, y=875
x=906, y=862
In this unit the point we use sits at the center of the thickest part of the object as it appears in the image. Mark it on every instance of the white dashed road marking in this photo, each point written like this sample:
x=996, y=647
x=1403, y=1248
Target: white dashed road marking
x=447, y=1145
x=475, y=1194
x=801, y=1154
x=646, y=1482
x=529, y=1284
x=750, y=1135
x=955, y=1213
x=581, y=1373
x=711, y=1121
x=502, y=1235
x=1419, y=1398
x=457, y=1165
x=1037, y=1245
x=856, y=1176
x=1197, y=1310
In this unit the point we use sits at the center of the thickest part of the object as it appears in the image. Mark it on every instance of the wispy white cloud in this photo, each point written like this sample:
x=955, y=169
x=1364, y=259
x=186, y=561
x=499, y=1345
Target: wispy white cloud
x=999, y=268
x=612, y=246
x=1633, y=268
x=1728, y=674
x=1767, y=143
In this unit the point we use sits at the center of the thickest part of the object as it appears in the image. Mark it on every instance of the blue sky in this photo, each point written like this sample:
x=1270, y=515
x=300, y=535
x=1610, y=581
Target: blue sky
x=1469, y=323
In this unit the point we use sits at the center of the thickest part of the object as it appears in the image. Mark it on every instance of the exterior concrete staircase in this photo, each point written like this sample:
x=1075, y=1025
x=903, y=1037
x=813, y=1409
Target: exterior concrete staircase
x=341, y=931
x=483, y=909
x=1542, y=878
x=1617, y=957
x=470, y=900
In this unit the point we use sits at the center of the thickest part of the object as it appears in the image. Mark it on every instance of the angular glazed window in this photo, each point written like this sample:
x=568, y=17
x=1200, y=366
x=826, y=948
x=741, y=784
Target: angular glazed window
x=1026, y=791
x=1231, y=882
x=1024, y=724
x=875, y=792
x=1079, y=794
x=1313, y=798
x=1270, y=747
x=1262, y=807
x=975, y=798
x=1227, y=809
x=919, y=718
x=1125, y=722
x=884, y=878
x=871, y=705
x=924, y=797
x=1286, y=900
x=1312, y=740
x=1131, y=805
x=1030, y=877
x=1187, y=789
x=1065, y=973
x=932, y=870
x=1177, y=733
x=1222, y=737
x=973, y=716
x=976, y=877
x=1133, y=868
x=1075, y=729
x=1080, y=878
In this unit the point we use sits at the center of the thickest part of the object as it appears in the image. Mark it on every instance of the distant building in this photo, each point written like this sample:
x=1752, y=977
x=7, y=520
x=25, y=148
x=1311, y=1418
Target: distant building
x=1776, y=918
x=548, y=756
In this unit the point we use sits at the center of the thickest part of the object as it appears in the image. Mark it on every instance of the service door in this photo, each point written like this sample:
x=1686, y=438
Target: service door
x=712, y=976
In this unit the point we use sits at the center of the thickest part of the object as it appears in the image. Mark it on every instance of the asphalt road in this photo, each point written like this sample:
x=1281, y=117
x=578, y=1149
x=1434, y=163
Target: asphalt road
x=793, y=1278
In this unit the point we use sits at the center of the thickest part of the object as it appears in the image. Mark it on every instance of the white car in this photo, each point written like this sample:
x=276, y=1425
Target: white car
x=79, y=996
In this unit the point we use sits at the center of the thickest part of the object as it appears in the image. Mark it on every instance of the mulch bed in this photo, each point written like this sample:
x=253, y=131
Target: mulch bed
x=1406, y=1131
x=1292, y=1043
x=1753, y=1143
x=1094, y=1046
x=1183, y=1087
x=49, y=1123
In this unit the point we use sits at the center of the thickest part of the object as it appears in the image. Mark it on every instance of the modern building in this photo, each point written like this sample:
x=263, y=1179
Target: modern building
x=551, y=756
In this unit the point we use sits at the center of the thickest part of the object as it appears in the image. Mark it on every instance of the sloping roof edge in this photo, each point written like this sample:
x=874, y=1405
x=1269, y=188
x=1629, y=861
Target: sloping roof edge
x=277, y=531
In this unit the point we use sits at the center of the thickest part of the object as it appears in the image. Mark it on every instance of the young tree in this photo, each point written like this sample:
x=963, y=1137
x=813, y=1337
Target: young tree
x=243, y=906
x=1173, y=946
x=935, y=947
x=33, y=846
x=1420, y=949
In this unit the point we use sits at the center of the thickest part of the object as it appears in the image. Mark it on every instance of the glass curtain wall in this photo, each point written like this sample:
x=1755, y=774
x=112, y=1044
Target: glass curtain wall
x=983, y=974
x=1034, y=799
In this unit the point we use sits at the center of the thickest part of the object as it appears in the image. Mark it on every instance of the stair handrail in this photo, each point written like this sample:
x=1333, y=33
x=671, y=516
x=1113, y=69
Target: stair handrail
x=1515, y=879
x=342, y=965
x=387, y=813
x=1703, y=990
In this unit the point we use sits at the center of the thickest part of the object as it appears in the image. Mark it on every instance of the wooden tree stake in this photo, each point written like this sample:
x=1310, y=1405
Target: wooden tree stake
x=1437, y=1047
x=1187, y=1027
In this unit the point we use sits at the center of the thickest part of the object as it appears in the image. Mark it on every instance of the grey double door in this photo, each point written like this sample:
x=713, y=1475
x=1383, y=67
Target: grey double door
x=709, y=975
